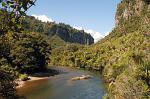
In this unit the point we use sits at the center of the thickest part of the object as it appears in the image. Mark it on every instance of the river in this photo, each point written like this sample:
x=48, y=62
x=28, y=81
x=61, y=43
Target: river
x=61, y=87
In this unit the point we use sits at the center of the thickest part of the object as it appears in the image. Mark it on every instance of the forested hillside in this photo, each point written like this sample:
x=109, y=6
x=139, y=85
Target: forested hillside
x=123, y=57
x=61, y=30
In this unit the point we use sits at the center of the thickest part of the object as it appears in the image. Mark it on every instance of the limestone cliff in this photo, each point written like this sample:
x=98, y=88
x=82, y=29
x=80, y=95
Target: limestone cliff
x=129, y=9
x=63, y=31
x=131, y=15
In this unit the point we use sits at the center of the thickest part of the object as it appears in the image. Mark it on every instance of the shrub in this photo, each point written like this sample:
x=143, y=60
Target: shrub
x=24, y=77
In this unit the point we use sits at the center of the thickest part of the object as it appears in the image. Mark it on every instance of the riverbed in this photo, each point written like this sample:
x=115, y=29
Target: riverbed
x=62, y=87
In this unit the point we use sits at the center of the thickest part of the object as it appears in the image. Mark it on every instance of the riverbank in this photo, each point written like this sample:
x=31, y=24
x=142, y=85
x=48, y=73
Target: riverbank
x=37, y=76
x=21, y=83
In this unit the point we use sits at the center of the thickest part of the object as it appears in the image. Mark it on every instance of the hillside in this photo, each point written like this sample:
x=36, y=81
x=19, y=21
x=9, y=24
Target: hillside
x=63, y=31
x=123, y=56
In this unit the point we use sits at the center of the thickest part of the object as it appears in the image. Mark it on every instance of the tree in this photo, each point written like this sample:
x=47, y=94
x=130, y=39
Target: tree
x=11, y=13
x=146, y=67
x=7, y=84
x=30, y=52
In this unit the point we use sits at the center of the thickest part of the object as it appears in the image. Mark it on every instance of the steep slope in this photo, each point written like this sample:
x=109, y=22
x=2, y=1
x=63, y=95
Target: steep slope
x=65, y=32
x=128, y=67
x=56, y=41
x=131, y=16
x=123, y=57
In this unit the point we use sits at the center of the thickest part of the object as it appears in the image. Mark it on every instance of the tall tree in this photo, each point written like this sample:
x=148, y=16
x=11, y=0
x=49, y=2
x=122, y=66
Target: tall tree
x=11, y=12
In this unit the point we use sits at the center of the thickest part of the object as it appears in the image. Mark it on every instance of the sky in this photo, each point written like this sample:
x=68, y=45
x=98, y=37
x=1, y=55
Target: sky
x=96, y=17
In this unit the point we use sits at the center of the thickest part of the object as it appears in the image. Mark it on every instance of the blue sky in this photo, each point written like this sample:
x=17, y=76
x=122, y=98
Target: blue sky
x=96, y=15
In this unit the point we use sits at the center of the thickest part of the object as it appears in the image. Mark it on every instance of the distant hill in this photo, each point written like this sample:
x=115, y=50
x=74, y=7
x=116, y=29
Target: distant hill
x=63, y=31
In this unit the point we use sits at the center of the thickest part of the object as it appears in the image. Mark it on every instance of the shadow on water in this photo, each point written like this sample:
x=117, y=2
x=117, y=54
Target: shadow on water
x=46, y=73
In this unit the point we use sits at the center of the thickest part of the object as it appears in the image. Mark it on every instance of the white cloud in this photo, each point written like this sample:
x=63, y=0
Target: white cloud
x=96, y=35
x=43, y=18
x=78, y=28
x=106, y=33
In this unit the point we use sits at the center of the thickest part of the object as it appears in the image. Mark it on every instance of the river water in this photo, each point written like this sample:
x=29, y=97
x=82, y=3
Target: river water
x=61, y=87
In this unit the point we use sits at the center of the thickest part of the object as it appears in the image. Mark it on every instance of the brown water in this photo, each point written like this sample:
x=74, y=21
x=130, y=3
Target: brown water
x=61, y=87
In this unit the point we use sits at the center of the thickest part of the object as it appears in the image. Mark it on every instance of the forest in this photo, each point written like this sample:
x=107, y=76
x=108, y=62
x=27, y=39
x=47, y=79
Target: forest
x=28, y=45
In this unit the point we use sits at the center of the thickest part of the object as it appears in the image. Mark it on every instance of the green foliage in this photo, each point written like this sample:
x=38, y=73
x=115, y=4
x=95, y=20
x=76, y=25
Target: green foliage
x=14, y=45
x=126, y=86
x=63, y=31
x=25, y=52
x=11, y=12
x=147, y=1
x=23, y=77
x=56, y=41
x=30, y=52
x=7, y=90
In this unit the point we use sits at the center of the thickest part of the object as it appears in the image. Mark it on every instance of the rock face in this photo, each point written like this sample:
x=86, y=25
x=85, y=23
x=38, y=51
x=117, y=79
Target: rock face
x=64, y=31
x=131, y=8
x=69, y=34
